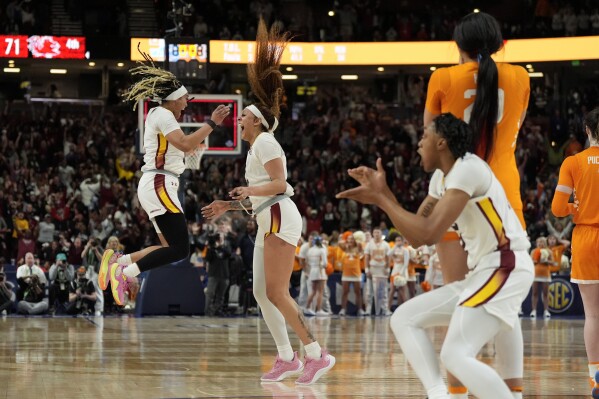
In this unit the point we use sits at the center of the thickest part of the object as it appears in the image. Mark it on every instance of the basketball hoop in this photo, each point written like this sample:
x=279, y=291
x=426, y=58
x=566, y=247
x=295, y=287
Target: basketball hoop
x=193, y=160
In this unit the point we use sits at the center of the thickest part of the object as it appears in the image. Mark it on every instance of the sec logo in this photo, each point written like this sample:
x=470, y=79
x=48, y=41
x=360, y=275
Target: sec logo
x=561, y=296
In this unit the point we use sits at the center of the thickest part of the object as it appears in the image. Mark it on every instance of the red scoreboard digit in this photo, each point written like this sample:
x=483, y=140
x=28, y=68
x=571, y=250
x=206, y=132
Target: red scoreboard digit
x=12, y=46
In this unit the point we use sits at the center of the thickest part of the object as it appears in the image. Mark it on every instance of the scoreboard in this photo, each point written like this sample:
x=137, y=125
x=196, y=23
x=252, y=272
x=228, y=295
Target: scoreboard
x=187, y=58
x=13, y=46
x=50, y=47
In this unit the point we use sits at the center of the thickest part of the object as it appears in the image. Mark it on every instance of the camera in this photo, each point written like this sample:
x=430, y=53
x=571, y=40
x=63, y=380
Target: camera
x=93, y=242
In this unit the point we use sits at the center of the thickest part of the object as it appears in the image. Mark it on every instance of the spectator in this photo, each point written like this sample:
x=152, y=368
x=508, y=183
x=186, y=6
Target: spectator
x=92, y=255
x=35, y=297
x=24, y=273
x=82, y=294
x=45, y=231
x=61, y=274
x=25, y=244
x=217, y=265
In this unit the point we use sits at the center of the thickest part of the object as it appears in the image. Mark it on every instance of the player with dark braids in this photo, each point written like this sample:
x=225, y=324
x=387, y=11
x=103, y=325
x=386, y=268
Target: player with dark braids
x=165, y=147
x=468, y=196
x=279, y=221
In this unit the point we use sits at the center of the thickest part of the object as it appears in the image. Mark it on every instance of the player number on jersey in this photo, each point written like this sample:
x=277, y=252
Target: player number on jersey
x=468, y=94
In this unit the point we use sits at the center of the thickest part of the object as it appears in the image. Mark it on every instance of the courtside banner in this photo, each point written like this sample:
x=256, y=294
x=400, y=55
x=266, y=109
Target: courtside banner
x=408, y=53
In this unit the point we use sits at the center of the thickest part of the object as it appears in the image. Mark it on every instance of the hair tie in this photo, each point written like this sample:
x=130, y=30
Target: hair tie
x=482, y=53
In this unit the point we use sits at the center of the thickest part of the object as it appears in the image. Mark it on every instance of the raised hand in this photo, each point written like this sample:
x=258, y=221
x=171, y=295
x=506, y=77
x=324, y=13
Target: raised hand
x=220, y=113
x=373, y=185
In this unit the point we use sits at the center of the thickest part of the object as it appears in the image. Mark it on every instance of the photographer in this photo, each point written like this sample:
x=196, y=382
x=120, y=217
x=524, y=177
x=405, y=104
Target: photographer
x=82, y=294
x=92, y=256
x=61, y=274
x=7, y=296
x=24, y=273
x=217, y=265
x=35, y=297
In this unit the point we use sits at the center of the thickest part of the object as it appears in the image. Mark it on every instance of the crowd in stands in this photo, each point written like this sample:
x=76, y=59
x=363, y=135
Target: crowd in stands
x=364, y=20
x=374, y=20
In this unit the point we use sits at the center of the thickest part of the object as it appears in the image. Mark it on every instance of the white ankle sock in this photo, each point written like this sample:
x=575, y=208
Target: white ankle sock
x=458, y=396
x=517, y=395
x=285, y=352
x=313, y=350
x=593, y=368
x=124, y=260
x=438, y=392
x=132, y=270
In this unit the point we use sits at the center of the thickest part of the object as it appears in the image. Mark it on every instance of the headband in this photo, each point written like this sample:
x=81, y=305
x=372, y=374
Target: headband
x=180, y=92
x=254, y=110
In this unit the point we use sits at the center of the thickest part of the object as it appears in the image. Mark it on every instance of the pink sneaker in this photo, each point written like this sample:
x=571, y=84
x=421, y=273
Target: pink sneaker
x=104, y=274
x=315, y=368
x=119, y=283
x=282, y=369
x=109, y=258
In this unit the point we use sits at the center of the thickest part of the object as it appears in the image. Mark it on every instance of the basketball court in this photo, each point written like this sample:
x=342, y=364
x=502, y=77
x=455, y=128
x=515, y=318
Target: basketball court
x=199, y=357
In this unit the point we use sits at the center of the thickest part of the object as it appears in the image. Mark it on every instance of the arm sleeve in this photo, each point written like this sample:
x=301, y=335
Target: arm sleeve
x=560, y=205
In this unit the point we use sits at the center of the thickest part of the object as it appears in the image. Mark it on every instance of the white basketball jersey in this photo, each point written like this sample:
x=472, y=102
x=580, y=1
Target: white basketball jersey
x=488, y=223
x=160, y=154
x=265, y=148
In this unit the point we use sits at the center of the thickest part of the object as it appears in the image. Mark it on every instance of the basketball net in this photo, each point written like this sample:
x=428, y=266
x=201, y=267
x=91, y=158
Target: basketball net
x=193, y=160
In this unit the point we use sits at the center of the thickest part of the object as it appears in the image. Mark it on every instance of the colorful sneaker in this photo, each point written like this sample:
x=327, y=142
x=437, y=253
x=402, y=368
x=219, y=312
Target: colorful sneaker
x=282, y=369
x=315, y=368
x=595, y=390
x=108, y=258
x=119, y=284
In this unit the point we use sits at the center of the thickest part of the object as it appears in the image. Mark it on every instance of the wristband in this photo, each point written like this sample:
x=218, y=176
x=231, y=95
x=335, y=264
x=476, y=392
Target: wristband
x=211, y=123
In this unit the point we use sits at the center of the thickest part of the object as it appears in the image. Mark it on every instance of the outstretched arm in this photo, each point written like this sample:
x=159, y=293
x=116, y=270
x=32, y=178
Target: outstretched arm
x=219, y=207
x=417, y=229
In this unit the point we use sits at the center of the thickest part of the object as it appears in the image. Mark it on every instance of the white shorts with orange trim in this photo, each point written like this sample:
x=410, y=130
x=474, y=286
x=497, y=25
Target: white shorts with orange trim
x=281, y=219
x=158, y=195
x=499, y=283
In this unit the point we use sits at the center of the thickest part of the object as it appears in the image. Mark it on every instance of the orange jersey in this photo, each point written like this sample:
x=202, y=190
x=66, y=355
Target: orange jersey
x=542, y=268
x=453, y=89
x=352, y=264
x=579, y=174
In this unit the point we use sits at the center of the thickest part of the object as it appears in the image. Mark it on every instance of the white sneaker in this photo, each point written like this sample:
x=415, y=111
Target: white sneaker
x=533, y=314
x=387, y=312
x=546, y=314
x=309, y=312
x=322, y=313
x=361, y=313
x=342, y=312
x=98, y=313
x=4, y=313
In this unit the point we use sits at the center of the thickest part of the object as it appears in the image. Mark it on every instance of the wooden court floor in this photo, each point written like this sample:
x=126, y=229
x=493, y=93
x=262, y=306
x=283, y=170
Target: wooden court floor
x=197, y=357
